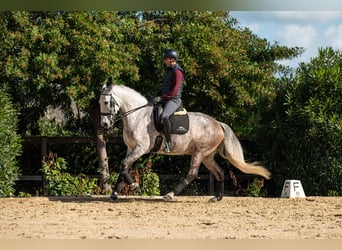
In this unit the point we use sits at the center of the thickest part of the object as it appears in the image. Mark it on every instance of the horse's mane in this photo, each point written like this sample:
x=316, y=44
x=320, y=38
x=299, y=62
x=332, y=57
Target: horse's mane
x=125, y=91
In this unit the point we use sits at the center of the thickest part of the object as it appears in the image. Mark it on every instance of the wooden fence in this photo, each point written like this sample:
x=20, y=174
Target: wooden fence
x=44, y=141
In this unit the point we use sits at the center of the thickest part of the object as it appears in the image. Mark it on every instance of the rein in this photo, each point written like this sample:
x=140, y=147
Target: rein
x=129, y=112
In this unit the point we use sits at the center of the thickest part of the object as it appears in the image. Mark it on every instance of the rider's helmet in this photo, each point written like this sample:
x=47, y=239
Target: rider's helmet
x=170, y=53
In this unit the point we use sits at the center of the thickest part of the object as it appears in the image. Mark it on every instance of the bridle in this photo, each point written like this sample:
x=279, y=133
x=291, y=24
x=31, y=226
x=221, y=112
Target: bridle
x=111, y=114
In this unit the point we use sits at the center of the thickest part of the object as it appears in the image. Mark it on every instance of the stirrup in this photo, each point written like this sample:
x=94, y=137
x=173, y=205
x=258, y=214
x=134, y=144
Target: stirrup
x=168, y=147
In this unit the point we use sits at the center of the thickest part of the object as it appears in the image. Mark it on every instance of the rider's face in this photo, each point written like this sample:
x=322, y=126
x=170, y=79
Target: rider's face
x=167, y=61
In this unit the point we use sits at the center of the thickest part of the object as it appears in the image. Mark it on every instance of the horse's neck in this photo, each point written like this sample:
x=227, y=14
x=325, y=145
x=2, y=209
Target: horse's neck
x=130, y=100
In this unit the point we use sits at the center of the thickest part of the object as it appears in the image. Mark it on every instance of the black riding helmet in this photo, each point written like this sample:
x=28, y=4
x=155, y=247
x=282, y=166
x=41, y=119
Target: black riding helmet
x=170, y=53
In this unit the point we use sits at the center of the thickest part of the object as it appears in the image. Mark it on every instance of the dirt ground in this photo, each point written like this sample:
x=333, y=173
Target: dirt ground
x=97, y=217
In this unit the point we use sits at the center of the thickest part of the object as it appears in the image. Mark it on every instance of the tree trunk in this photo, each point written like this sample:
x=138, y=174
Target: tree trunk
x=103, y=163
x=94, y=111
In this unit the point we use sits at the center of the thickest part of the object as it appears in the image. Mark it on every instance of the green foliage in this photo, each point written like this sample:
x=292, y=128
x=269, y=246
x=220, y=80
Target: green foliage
x=304, y=128
x=149, y=180
x=52, y=128
x=10, y=145
x=255, y=188
x=150, y=184
x=54, y=58
x=113, y=177
x=62, y=57
x=24, y=194
x=60, y=183
x=229, y=71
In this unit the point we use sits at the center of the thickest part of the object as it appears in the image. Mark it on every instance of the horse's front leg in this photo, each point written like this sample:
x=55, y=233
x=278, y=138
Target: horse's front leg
x=124, y=176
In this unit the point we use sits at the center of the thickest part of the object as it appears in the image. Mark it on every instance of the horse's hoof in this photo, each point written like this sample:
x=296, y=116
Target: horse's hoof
x=215, y=199
x=134, y=186
x=169, y=196
x=114, y=196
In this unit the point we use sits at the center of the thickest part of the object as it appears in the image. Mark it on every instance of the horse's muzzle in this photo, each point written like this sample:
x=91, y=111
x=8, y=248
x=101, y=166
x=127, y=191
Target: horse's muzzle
x=106, y=122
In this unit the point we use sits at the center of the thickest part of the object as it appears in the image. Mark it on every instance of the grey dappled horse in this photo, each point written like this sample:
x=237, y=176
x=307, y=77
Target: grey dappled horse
x=206, y=137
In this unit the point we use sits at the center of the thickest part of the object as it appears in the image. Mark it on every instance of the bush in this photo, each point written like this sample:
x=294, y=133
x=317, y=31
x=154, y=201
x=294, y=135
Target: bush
x=59, y=183
x=10, y=145
x=150, y=184
x=149, y=179
x=304, y=138
x=255, y=188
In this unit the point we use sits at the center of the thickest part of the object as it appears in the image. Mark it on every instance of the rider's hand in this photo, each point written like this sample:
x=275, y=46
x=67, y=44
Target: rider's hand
x=156, y=99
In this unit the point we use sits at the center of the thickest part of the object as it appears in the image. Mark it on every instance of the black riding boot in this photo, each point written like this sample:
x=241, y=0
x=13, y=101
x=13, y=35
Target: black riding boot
x=167, y=134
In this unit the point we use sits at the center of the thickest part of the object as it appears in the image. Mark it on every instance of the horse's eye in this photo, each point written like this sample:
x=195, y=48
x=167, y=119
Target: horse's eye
x=106, y=103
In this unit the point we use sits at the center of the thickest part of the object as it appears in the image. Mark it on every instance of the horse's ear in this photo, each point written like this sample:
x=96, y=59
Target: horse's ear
x=108, y=83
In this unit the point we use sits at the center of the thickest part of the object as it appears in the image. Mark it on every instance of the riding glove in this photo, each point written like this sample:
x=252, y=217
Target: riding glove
x=156, y=99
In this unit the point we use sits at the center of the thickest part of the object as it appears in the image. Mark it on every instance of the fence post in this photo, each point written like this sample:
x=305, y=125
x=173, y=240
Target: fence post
x=44, y=147
x=44, y=154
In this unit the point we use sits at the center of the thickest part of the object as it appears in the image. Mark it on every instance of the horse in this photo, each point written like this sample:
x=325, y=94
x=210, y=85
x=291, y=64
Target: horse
x=205, y=138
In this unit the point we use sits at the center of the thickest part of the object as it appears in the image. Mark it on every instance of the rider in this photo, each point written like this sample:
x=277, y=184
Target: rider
x=171, y=92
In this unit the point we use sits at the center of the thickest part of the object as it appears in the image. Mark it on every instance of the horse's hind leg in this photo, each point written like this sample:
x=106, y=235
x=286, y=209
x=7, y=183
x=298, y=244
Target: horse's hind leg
x=218, y=172
x=192, y=174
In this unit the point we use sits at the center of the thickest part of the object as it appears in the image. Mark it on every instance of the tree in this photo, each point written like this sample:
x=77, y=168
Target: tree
x=230, y=72
x=304, y=128
x=55, y=58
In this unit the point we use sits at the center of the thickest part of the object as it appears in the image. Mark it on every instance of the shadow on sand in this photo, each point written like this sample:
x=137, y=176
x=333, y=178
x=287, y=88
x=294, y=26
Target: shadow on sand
x=105, y=198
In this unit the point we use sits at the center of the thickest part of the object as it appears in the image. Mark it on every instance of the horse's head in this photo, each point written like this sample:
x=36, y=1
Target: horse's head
x=109, y=106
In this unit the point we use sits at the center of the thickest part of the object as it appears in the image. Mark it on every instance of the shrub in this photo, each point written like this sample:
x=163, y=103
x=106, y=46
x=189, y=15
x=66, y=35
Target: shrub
x=149, y=179
x=303, y=140
x=150, y=184
x=59, y=183
x=255, y=188
x=10, y=145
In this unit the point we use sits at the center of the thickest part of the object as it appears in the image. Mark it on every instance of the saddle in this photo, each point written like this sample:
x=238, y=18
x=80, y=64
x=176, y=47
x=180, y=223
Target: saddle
x=179, y=123
x=179, y=120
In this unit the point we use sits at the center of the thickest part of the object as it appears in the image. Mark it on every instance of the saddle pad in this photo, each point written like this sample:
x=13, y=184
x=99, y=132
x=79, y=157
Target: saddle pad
x=179, y=120
x=179, y=124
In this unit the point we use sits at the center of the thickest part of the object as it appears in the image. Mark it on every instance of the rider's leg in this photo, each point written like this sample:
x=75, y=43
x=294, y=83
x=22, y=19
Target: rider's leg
x=167, y=133
x=169, y=108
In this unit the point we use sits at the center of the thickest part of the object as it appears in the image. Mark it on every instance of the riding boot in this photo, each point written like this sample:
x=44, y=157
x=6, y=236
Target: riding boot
x=167, y=134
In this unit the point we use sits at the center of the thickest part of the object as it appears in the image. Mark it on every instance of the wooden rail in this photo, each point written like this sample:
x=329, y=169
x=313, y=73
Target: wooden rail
x=45, y=140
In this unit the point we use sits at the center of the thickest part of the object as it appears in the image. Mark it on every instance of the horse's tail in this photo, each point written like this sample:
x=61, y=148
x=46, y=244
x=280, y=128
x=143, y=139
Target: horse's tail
x=231, y=150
